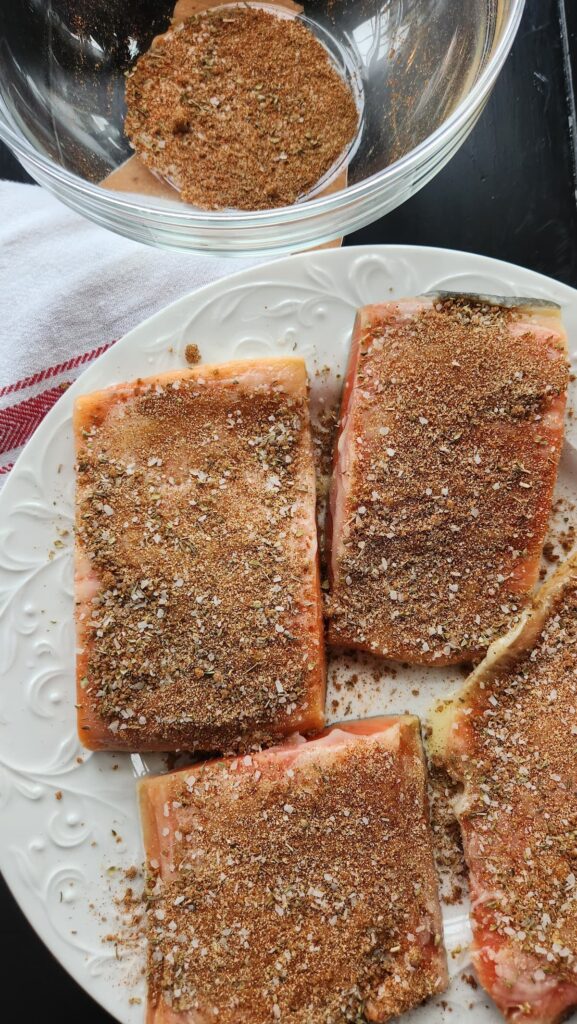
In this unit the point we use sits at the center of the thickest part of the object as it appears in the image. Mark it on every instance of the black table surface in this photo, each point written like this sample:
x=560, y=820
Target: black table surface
x=510, y=192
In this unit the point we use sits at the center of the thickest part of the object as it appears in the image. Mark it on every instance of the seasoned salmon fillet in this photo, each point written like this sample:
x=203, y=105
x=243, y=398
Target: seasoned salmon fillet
x=510, y=738
x=197, y=588
x=296, y=884
x=450, y=434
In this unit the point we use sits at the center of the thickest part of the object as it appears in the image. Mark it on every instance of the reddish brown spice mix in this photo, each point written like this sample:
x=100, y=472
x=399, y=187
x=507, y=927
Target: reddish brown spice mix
x=198, y=603
x=510, y=740
x=450, y=436
x=239, y=109
x=294, y=885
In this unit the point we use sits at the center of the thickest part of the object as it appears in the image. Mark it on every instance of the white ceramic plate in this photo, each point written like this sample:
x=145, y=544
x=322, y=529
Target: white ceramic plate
x=58, y=806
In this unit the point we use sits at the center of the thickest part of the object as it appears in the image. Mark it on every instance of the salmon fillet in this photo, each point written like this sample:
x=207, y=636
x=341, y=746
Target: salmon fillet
x=296, y=884
x=510, y=738
x=450, y=434
x=198, y=604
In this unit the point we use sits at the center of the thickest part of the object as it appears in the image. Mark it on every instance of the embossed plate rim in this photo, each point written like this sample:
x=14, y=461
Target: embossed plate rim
x=304, y=303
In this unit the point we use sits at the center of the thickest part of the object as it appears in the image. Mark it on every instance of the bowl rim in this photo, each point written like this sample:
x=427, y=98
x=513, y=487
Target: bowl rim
x=362, y=190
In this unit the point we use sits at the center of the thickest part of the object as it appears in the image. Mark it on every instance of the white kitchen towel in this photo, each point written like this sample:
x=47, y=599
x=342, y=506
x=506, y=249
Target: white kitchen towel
x=68, y=290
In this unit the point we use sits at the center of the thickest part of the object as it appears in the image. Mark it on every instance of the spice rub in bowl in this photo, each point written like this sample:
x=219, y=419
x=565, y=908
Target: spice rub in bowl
x=197, y=588
x=450, y=436
x=241, y=108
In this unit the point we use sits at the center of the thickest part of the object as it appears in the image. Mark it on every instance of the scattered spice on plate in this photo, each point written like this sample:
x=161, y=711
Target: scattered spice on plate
x=240, y=109
x=123, y=909
x=447, y=845
x=192, y=355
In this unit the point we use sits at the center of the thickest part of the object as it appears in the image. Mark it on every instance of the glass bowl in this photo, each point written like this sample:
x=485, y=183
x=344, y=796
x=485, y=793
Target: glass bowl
x=422, y=71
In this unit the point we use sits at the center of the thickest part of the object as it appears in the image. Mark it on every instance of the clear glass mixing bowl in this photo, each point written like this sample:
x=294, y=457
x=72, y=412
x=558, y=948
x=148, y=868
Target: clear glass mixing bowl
x=426, y=69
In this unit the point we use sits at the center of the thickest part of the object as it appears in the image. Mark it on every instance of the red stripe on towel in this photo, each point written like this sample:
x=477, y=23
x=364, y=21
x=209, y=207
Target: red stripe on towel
x=53, y=371
x=18, y=422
